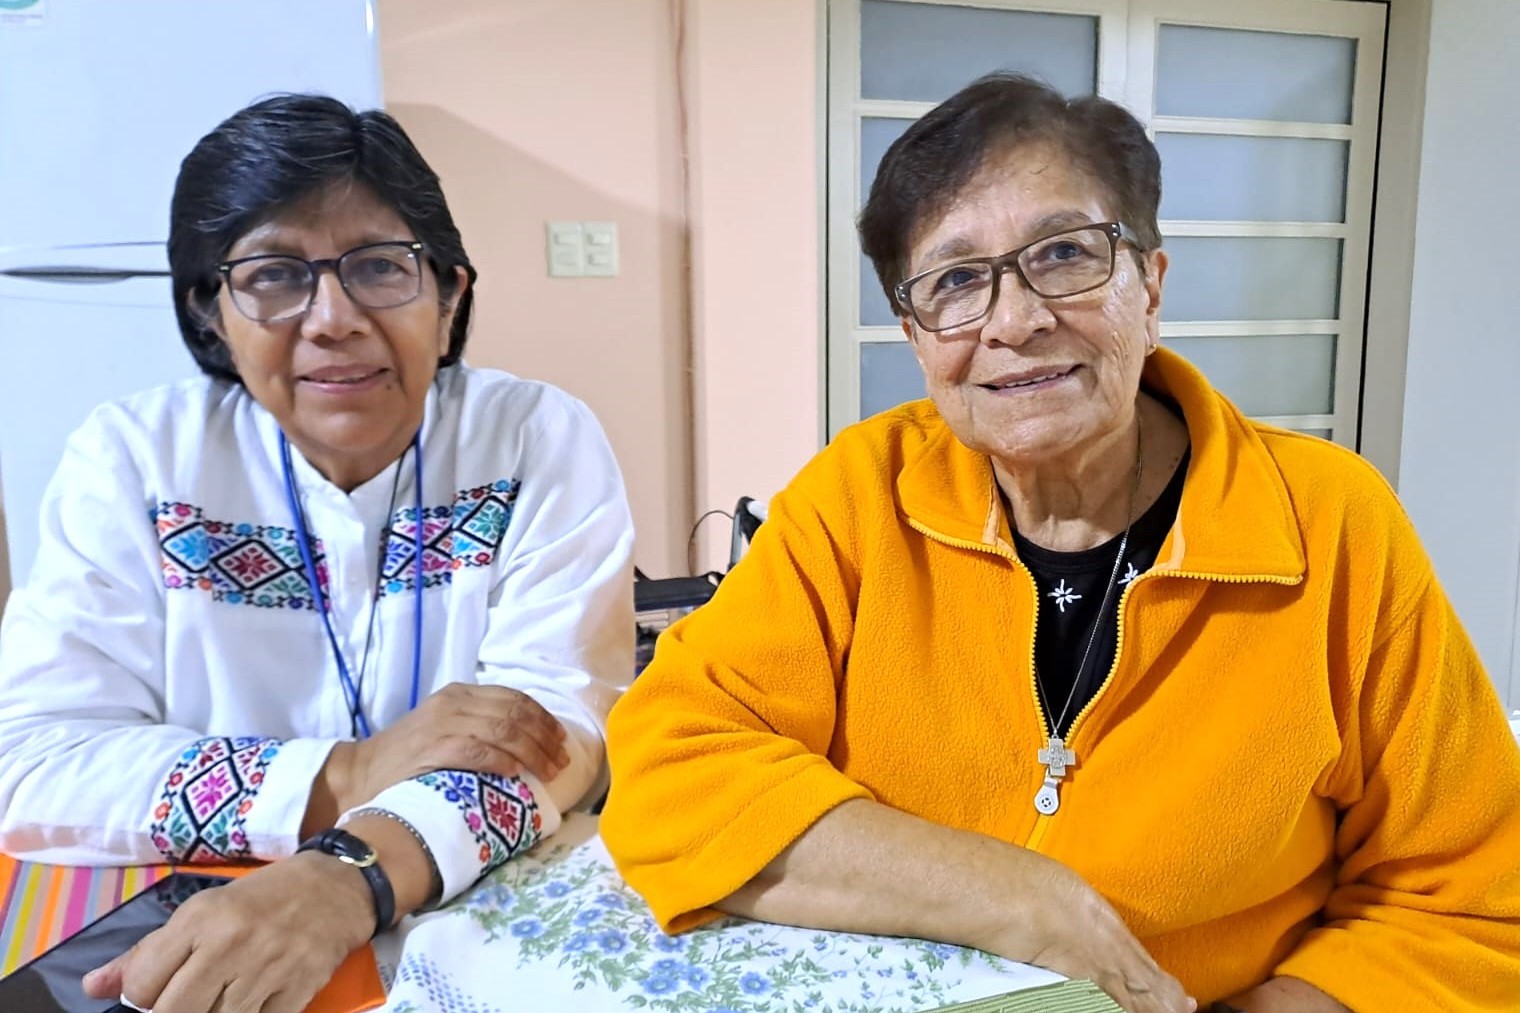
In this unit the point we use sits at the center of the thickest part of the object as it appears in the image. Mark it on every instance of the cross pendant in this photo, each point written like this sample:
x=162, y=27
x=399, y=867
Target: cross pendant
x=1055, y=758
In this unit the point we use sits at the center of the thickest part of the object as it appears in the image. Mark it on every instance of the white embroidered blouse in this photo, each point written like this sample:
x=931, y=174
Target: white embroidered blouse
x=167, y=689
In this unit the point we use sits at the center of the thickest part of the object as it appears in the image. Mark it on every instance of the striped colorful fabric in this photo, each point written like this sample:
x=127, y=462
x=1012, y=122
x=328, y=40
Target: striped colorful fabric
x=42, y=904
x=1079, y=996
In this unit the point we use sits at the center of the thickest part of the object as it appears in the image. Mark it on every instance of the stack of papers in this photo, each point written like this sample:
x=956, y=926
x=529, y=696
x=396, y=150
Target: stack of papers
x=1062, y=997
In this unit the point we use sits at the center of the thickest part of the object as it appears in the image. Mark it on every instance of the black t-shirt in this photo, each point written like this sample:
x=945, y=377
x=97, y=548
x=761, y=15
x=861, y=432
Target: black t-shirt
x=1071, y=586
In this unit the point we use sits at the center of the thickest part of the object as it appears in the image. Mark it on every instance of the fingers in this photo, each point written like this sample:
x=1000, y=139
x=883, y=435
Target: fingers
x=285, y=1002
x=105, y=981
x=515, y=723
x=516, y=712
x=534, y=744
x=1145, y=988
x=485, y=729
x=148, y=970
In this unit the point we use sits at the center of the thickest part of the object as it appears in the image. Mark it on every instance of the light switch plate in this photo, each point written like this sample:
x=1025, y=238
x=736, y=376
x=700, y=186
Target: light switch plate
x=601, y=245
x=566, y=249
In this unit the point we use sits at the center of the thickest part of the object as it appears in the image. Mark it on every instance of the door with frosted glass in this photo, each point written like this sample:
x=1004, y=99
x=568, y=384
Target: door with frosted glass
x=1267, y=129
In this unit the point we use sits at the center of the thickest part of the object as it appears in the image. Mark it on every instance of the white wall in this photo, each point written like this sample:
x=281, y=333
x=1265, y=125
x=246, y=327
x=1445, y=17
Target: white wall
x=5, y=561
x=1460, y=470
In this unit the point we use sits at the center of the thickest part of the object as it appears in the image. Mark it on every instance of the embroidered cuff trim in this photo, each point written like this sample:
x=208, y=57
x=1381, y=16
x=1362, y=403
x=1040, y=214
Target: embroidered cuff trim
x=500, y=812
x=202, y=811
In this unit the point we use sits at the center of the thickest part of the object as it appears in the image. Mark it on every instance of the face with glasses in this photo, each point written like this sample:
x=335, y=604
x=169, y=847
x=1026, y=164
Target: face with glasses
x=333, y=317
x=1028, y=309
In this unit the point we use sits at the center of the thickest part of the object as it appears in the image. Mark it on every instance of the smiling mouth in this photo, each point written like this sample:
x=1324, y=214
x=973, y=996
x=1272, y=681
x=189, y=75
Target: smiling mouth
x=344, y=378
x=1032, y=381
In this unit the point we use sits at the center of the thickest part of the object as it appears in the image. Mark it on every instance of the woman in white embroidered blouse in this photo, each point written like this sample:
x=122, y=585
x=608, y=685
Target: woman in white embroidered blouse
x=340, y=581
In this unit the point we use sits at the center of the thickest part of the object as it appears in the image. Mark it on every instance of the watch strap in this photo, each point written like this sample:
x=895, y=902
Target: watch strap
x=351, y=850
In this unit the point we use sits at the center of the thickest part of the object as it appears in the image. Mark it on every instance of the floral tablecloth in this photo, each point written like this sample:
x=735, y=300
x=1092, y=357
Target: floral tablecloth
x=558, y=930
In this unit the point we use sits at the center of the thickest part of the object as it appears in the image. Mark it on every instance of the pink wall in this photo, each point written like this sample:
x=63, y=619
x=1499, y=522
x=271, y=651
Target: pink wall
x=535, y=110
x=757, y=168
x=539, y=110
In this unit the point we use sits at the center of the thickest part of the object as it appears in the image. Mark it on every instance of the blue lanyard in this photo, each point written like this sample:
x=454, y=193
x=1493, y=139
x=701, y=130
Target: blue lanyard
x=303, y=544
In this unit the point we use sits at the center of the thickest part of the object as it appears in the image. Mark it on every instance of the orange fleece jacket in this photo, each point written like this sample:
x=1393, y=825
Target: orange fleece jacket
x=1296, y=766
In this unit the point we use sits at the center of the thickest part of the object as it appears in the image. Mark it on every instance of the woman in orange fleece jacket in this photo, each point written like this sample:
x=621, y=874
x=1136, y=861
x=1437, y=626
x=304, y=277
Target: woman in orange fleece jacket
x=1072, y=662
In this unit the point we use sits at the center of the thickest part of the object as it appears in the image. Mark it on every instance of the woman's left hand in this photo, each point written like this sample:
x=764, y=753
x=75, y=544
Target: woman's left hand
x=265, y=943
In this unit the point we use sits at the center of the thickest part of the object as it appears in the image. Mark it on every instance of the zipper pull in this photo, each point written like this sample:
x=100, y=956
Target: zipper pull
x=1048, y=799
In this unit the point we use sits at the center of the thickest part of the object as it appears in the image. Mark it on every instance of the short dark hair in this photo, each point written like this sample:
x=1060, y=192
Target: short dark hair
x=273, y=154
x=926, y=167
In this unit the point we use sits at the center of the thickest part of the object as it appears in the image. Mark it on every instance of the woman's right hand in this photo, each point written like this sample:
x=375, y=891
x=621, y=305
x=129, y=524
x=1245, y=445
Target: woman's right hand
x=483, y=729
x=1072, y=930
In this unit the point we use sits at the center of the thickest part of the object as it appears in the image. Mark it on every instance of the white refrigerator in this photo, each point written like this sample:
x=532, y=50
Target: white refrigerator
x=99, y=102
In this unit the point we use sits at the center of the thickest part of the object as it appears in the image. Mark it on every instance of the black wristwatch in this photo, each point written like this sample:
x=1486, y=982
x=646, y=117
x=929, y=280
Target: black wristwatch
x=347, y=848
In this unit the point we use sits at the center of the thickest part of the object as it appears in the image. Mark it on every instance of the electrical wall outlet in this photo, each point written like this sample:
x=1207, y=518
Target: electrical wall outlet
x=582, y=249
x=601, y=249
x=566, y=249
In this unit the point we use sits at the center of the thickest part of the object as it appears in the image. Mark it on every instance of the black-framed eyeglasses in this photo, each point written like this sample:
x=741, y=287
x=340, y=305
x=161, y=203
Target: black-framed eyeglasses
x=272, y=287
x=1053, y=267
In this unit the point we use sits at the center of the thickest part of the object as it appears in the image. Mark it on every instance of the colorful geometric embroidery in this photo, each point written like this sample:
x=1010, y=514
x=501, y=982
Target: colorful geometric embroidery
x=240, y=564
x=203, y=808
x=260, y=565
x=467, y=534
x=500, y=811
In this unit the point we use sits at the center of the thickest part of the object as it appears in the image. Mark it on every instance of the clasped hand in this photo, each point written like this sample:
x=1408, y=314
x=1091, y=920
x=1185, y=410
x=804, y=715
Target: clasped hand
x=267, y=943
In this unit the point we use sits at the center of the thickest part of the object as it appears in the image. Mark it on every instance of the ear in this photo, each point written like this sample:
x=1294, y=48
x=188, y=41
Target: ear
x=206, y=313
x=911, y=333
x=1155, y=277
x=450, y=308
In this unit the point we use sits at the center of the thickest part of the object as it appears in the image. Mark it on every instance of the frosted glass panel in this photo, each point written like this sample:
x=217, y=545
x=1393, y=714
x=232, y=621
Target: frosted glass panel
x=928, y=52
x=1252, y=278
x=875, y=310
x=876, y=136
x=1323, y=434
x=1280, y=374
x=1211, y=177
x=1254, y=75
x=889, y=375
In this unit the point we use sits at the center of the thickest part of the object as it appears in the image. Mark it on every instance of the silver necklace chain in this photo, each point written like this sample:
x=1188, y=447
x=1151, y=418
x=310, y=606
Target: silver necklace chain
x=1108, y=592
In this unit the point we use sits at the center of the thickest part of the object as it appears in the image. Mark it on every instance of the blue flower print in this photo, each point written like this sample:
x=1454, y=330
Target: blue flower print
x=669, y=944
x=527, y=928
x=697, y=977
x=660, y=984
x=754, y=984
x=590, y=916
x=558, y=888
x=943, y=951
x=669, y=965
x=578, y=942
x=612, y=941
x=494, y=895
x=609, y=899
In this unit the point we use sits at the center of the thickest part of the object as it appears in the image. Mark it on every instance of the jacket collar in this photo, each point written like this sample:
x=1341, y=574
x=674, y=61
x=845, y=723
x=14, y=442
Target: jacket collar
x=1235, y=521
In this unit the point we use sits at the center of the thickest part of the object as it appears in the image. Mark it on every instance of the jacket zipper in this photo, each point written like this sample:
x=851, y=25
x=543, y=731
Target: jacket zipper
x=1042, y=821
x=1034, y=627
